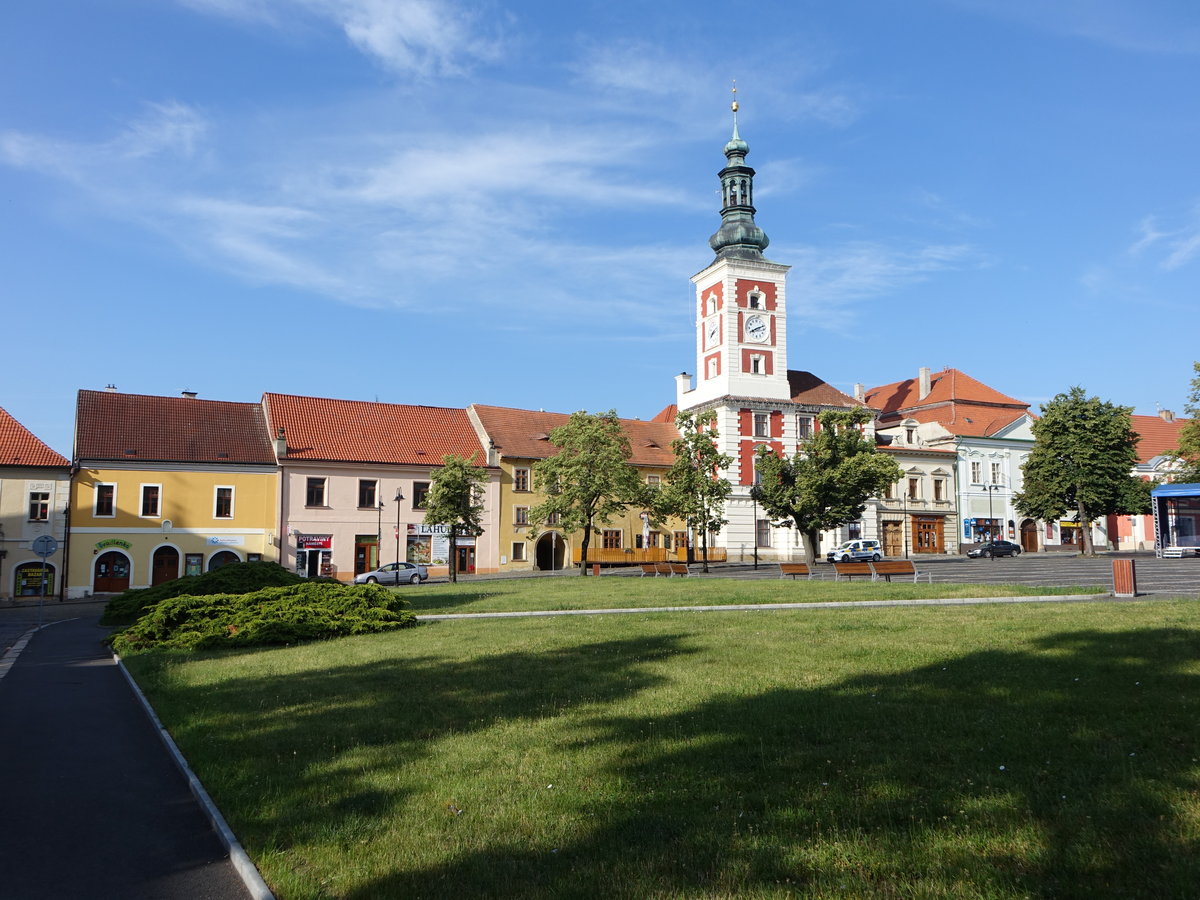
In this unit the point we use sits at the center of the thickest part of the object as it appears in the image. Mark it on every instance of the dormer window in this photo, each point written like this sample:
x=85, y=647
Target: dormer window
x=911, y=435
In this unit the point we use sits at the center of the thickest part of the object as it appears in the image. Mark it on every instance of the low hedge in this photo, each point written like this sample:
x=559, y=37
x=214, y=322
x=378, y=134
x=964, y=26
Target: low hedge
x=236, y=578
x=291, y=614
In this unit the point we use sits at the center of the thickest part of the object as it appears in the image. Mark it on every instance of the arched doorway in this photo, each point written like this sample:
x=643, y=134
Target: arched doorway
x=224, y=558
x=1029, y=532
x=111, y=573
x=165, y=565
x=28, y=578
x=551, y=551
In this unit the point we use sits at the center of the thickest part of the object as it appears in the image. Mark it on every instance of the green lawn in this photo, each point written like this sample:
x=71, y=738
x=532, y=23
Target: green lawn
x=951, y=752
x=614, y=592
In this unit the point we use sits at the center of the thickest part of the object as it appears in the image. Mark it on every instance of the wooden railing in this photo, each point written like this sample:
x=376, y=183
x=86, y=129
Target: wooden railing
x=649, y=555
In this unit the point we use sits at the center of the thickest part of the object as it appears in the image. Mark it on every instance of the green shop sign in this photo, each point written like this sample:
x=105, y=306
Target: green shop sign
x=114, y=542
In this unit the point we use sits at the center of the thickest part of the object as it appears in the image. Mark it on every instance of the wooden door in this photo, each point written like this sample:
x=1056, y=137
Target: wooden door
x=111, y=573
x=1029, y=536
x=466, y=560
x=165, y=566
x=893, y=538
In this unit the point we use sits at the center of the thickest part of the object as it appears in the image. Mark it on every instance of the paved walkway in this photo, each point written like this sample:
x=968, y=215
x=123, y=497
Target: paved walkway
x=92, y=803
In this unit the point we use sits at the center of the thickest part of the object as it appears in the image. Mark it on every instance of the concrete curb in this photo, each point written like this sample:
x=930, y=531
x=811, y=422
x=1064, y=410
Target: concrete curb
x=9, y=659
x=751, y=607
x=237, y=855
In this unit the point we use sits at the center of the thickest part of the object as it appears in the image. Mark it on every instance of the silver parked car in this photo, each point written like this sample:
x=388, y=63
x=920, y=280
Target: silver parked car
x=394, y=573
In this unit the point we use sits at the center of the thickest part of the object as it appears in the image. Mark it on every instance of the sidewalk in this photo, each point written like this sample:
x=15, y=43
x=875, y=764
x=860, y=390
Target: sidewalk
x=93, y=804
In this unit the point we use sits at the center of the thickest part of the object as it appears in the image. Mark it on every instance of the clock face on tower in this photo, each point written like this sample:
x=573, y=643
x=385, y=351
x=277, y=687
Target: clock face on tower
x=756, y=329
x=712, y=331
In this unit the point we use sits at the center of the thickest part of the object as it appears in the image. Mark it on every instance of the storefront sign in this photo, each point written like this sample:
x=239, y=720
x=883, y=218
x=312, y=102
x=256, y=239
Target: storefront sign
x=230, y=540
x=314, y=541
x=114, y=542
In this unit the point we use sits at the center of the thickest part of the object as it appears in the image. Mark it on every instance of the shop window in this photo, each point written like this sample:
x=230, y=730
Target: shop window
x=151, y=495
x=39, y=506
x=518, y=551
x=520, y=480
x=420, y=494
x=223, y=504
x=34, y=578
x=314, y=492
x=105, y=502
x=193, y=563
x=368, y=492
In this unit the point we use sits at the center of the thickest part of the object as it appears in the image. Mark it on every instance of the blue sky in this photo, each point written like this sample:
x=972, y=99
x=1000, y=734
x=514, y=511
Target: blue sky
x=434, y=202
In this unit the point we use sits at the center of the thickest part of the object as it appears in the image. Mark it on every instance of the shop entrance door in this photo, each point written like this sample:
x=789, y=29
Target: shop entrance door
x=466, y=561
x=111, y=573
x=1029, y=532
x=893, y=538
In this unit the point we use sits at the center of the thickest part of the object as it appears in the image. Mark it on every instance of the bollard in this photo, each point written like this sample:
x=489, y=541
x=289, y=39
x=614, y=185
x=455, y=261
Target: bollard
x=595, y=568
x=1124, y=579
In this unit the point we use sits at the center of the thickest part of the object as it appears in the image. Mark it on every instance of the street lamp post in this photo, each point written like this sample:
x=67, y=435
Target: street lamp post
x=378, y=532
x=989, y=487
x=754, y=500
x=399, y=497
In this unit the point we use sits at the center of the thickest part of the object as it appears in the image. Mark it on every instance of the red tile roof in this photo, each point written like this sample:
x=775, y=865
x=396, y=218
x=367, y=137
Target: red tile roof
x=1159, y=436
x=809, y=389
x=956, y=401
x=948, y=386
x=317, y=428
x=667, y=415
x=18, y=446
x=525, y=434
x=138, y=427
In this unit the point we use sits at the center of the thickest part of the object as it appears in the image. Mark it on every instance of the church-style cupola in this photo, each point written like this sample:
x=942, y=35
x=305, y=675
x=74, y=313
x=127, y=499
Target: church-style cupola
x=741, y=311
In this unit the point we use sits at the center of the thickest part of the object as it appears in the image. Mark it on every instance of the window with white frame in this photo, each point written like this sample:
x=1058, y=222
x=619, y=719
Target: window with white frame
x=151, y=501
x=654, y=482
x=368, y=493
x=804, y=427
x=520, y=515
x=762, y=532
x=521, y=480
x=223, y=502
x=756, y=364
x=939, y=490
x=39, y=506
x=996, y=479
x=761, y=425
x=518, y=551
x=755, y=301
x=976, y=472
x=314, y=492
x=914, y=488
x=104, y=500
x=712, y=368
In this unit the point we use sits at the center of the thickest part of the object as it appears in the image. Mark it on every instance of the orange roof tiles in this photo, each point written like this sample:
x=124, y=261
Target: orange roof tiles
x=138, y=427
x=808, y=388
x=1159, y=436
x=956, y=401
x=19, y=447
x=317, y=428
x=525, y=434
x=668, y=414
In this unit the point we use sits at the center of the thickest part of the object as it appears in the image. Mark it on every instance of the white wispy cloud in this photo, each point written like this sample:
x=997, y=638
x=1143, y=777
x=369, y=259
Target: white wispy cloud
x=1177, y=242
x=414, y=37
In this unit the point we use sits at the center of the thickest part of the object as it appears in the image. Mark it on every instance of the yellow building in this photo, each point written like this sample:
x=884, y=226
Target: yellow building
x=517, y=439
x=166, y=487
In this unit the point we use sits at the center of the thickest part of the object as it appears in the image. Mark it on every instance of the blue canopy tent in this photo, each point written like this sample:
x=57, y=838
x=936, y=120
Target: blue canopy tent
x=1176, y=519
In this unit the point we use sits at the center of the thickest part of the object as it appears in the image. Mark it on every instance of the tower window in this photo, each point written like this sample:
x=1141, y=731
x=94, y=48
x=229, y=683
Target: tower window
x=755, y=301
x=760, y=425
x=756, y=365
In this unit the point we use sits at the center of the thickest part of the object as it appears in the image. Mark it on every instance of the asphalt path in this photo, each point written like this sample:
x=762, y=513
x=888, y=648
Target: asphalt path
x=93, y=804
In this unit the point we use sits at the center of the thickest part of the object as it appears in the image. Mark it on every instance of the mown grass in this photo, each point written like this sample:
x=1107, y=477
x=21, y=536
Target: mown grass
x=948, y=752
x=612, y=592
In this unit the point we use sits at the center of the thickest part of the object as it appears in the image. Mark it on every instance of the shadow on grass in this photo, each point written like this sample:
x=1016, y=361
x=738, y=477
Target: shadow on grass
x=1051, y=773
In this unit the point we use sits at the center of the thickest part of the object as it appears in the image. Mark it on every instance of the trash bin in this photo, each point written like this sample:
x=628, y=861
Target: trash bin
x=1124, y=578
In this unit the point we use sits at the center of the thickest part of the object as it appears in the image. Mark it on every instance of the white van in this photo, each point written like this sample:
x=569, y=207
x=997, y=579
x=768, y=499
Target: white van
x=848, y=551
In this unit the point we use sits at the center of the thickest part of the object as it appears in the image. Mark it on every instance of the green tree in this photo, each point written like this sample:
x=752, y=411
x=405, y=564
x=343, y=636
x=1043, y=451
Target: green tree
x=1188, y=451
x=826, y=484
x=694, y=490
x=455, y=500
x=1082, y=460
x=589, y=480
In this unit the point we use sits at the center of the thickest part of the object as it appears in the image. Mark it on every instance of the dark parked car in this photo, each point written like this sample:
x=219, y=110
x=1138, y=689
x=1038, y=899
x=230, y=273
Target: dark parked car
x=394, y=573
x=995, y=548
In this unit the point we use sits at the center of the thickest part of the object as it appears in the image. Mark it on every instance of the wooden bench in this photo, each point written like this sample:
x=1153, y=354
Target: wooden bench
x=887, y=568
x=794, y=569
x=850, y=569
x=649, y=569
x=676, y=568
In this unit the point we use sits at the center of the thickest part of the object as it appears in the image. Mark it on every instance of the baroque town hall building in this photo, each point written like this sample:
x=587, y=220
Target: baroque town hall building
x=742, y=365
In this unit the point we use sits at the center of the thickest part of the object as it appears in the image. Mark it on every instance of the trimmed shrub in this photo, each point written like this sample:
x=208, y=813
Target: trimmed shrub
x=236, y=578
x=292, y=614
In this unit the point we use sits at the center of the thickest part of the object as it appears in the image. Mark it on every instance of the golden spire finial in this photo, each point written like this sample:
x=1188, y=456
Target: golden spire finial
x=733, y=105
